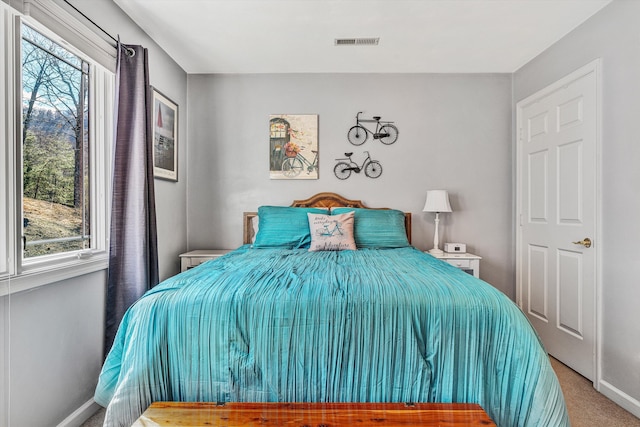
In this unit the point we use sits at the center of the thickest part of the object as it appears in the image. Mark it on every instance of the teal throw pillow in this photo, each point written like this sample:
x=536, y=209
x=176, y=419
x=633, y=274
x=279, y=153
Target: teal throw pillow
x=377, y=228
x=284, y=227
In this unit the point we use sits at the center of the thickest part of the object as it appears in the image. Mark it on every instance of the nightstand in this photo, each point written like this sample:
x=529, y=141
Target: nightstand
x=194, y=258
x=467, y=262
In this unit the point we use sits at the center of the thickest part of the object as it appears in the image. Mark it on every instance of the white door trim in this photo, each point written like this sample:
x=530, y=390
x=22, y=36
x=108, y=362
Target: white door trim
x=593, y=67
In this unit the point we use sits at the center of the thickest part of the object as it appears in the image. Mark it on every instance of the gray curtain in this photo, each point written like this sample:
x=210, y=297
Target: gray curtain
x=133, y=256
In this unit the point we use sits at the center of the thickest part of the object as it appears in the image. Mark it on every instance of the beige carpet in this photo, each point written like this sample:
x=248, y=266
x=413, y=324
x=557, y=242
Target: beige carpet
x=587, y=407
x=96, y=420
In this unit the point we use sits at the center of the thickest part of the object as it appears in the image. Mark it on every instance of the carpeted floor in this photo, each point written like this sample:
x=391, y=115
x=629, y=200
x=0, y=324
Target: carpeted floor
x=96, y=419
x=587, y=407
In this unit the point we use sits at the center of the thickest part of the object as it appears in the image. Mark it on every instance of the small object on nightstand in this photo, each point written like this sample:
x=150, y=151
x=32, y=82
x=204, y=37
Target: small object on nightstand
x=455, y=248
x=467, y=262
x=194, y=258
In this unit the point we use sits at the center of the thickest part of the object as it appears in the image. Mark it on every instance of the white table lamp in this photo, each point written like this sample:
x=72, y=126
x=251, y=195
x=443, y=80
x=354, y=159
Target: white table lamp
x=437, y=201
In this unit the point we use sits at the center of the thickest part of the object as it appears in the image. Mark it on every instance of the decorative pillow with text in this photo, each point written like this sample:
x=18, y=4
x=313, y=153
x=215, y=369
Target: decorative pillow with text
x=331, y=232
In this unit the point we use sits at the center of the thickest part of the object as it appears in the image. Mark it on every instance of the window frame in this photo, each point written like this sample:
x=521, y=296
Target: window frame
x=91, y=143
x=18, y=273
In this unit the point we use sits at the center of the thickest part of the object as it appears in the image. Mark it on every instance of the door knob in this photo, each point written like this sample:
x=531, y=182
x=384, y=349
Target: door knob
x=586, y=242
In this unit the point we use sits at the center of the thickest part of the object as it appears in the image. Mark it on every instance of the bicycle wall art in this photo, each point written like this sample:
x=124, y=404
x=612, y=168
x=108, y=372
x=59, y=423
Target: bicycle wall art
x=386, y=132
x=293, y=142
x=344, y=167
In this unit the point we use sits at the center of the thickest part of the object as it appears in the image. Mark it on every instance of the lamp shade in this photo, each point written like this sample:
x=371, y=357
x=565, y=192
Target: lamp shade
x=437, y=201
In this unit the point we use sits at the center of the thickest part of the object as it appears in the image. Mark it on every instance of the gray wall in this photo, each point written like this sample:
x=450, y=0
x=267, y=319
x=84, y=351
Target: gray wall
x=455, y=134
x=56, y=349
x=51, y=337
x=612, y=35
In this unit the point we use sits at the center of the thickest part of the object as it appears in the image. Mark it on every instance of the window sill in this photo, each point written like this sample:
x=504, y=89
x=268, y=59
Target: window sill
x=36, y=278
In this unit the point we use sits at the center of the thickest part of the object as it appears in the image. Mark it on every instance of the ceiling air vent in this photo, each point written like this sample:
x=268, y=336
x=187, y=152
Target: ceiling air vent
x=366, y=41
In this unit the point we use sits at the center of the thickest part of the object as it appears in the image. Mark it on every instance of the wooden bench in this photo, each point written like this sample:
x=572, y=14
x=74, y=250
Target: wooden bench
x=192, y=414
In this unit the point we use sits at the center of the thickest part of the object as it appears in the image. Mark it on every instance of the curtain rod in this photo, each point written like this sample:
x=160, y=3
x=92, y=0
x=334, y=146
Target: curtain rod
x=129, y=50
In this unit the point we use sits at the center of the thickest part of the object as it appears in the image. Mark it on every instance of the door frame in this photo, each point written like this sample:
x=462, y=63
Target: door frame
x=594, y=66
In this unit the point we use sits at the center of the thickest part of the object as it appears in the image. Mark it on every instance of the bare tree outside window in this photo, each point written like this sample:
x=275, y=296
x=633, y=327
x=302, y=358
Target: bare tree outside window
x=55, y=147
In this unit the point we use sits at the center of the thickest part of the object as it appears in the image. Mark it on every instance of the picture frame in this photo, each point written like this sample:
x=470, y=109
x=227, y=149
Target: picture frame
x=293, y=141
x=164, y=137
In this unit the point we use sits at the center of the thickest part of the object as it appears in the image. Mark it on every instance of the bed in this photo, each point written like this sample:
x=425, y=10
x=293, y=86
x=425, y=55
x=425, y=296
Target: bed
x=298, y=315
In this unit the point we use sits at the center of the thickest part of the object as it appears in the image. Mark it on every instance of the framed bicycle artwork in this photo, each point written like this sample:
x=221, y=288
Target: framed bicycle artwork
x=293, y=140
x=165, y=137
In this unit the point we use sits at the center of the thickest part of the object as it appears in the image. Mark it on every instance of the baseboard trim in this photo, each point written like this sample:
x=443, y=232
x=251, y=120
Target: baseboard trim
x=621, y=398
x=80, y=415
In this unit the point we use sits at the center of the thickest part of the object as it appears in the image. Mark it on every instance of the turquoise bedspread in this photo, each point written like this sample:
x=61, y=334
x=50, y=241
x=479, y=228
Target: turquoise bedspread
x=393, y=325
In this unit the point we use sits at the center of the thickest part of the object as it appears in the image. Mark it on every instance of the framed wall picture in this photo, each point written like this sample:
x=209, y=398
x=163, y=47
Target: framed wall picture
x=165, y=137
x=293, y=140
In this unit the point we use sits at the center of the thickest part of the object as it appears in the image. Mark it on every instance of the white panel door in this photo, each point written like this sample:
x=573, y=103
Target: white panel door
x=557, y=206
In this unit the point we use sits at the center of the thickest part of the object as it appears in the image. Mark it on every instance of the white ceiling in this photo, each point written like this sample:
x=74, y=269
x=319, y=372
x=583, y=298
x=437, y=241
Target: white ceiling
x=416, y=36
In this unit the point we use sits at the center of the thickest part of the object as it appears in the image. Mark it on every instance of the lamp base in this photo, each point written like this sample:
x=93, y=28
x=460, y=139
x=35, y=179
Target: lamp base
x=436, y=251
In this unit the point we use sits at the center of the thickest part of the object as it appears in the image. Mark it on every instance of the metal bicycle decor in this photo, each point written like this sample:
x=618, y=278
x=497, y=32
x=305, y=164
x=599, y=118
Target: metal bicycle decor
x=344, y=167
x=386, y=132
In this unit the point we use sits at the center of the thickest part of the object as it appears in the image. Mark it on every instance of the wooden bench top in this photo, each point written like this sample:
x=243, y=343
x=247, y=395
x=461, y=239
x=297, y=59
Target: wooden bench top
x=195, y=414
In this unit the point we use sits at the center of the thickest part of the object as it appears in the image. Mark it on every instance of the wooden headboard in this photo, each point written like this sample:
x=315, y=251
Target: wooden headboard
x=320, y=200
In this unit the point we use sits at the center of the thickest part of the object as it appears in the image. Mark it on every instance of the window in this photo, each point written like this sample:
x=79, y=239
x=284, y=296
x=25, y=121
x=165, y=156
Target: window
x=55, y=148
x=56, y=126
